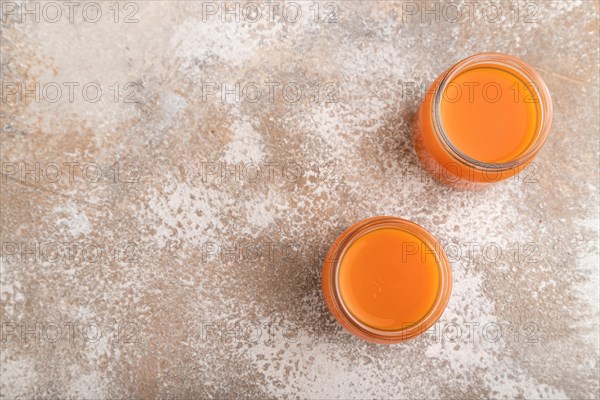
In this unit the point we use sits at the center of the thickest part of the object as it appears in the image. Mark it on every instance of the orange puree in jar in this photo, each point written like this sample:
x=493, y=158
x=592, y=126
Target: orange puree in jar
x=386, y=279
x=389, y=279
x=482, y=121
x=489, y=114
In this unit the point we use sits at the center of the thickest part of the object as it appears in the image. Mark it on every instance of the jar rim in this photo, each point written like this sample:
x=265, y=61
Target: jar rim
x=504, y=62
x=334, y=258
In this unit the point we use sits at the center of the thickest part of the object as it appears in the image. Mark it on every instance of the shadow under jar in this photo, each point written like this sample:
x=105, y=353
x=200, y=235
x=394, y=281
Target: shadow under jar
x=386, y=280
x=482, y=121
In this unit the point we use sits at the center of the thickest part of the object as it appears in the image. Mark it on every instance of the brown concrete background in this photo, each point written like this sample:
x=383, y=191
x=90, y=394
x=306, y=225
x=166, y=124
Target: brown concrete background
x=195, y=284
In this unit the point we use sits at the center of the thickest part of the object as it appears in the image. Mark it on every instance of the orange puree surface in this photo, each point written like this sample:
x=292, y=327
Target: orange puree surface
x=489, y=114
x=389, y=279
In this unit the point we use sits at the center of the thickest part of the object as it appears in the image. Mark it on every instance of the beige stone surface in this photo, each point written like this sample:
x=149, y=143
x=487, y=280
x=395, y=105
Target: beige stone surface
x=164, y=239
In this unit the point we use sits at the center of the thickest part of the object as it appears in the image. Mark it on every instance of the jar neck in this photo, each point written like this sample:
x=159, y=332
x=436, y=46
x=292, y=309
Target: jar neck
x=517, y=67
x=430, y=317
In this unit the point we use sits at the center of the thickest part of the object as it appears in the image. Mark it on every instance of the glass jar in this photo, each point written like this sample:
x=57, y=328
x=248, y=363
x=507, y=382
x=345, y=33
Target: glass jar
x=386, y=279
x=482, y=121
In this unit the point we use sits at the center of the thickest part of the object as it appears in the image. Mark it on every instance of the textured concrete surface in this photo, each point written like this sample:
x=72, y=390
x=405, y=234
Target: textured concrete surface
x=192, y=267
